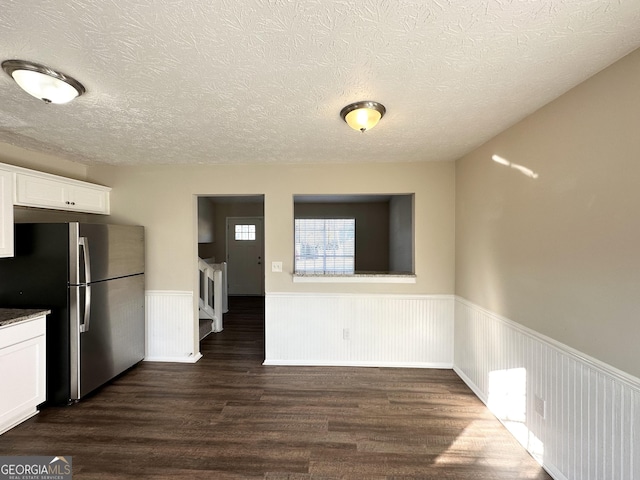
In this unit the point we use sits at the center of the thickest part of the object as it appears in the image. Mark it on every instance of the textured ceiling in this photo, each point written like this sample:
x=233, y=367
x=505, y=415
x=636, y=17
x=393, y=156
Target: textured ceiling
x=247, y=81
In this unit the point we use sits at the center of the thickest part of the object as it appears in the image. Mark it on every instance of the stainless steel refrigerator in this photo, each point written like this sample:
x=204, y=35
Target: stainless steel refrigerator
x=91, y=276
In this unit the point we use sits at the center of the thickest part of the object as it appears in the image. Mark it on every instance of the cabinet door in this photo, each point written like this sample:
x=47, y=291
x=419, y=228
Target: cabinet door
x=33, y=191
x=22, y=370
x=6, y=214
x=87, y=199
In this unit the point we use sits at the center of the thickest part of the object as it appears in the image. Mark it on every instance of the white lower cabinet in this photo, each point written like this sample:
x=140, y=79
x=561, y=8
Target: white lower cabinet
x=38, y=190
x=22, y=371
x=6, y=213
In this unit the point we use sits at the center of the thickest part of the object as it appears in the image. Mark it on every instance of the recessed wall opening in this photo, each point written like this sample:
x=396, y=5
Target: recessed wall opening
x=354, y=234
x=231, y=257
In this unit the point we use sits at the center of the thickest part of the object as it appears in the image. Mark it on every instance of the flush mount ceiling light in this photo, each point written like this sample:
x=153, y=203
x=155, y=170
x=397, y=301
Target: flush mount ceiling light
x=363, y=115
x=42, y=82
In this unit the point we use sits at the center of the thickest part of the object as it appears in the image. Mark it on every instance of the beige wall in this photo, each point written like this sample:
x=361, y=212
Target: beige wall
x=41, y=162
x=162, y=198
x=560, y=253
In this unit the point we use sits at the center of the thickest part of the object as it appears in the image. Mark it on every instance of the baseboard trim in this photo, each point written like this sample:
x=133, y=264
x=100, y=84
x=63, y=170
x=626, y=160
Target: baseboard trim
x=189, y=359
x=308, y=363
x=478, y=393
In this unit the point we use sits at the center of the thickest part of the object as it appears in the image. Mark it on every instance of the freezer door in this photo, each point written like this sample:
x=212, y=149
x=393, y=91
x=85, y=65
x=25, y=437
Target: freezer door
x=112, y=338
x=114, y=251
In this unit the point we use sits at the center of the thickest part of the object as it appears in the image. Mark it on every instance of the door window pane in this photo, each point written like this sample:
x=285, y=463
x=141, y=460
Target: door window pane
x=245, y=232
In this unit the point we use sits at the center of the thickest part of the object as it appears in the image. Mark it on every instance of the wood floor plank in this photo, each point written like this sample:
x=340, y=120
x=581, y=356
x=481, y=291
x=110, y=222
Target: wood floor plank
x=228, y=417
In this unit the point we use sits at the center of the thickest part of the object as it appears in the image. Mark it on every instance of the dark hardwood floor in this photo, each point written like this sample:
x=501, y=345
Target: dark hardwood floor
x=229, y=417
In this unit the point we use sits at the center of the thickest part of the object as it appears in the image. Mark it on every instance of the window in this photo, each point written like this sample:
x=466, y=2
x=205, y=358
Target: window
x=245, y=232
x=325, y=245
x=382, y=234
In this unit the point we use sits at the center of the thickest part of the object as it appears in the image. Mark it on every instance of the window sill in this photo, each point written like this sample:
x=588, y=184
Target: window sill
x=355, y=278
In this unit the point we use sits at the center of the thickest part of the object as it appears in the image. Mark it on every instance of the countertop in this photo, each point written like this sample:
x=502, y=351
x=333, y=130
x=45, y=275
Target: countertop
x=358, y=277
x=16, y=315
x=357, y=274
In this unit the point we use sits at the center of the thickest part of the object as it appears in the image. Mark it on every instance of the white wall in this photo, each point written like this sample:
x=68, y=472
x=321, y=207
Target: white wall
x=359, y=330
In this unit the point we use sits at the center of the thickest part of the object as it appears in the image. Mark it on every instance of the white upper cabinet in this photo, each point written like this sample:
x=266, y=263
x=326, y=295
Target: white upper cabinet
x=58, y=193
x=6, y=213
x=30, y=188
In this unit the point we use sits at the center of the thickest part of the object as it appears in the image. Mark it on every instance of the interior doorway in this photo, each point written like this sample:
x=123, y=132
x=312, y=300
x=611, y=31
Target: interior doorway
x=213, y=212
x=237, y=264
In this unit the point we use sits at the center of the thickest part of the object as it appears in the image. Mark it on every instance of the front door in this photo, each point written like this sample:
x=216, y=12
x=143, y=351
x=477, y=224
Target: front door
x=245, y=255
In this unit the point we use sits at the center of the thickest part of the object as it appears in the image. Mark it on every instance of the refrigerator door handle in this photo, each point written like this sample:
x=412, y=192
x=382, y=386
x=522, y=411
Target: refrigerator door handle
x=86, y=317
x=74, y=343
x=83, y=242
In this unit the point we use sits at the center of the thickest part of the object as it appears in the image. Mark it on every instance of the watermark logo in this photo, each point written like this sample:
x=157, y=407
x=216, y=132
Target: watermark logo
x=35, y=468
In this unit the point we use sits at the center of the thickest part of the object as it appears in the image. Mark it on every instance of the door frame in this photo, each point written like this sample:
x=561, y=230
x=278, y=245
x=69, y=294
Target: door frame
x=226, y=198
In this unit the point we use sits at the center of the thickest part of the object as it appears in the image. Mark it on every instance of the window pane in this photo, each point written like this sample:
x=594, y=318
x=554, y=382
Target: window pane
x=325, y=245
x=245, y=232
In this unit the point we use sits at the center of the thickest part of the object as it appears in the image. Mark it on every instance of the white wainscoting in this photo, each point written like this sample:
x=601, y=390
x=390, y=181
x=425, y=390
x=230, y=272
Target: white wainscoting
x=170, y=327
x=359, y=330
x=589, y=425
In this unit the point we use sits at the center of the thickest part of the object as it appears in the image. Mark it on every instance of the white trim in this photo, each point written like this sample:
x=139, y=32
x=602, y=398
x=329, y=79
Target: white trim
x=355, y=278
x=169, y=292
x=189, y=359
x=22, y=417
x=361, y=295
x=293, y=363
x=554, y=472
x=474, y=388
